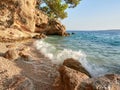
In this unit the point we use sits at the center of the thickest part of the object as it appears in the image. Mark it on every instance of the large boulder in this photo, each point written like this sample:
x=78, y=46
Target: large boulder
x=48, y=26
x=69, y=79
x=107, y=82
x=18, y=14
x=55, y=28
x=76, y=65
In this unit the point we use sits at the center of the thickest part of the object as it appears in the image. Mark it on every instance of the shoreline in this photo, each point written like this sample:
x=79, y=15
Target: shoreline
x=24, y=67
x=38, y=70
x=31, y=70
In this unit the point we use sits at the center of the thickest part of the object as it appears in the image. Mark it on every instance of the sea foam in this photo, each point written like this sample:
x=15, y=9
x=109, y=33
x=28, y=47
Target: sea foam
x=58, y=57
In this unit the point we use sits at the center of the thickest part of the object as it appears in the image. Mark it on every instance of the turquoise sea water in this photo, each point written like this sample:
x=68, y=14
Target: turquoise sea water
x=98, y=51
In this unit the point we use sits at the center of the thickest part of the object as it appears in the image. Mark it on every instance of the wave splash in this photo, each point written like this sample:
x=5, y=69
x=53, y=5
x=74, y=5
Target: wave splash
x=57, y=56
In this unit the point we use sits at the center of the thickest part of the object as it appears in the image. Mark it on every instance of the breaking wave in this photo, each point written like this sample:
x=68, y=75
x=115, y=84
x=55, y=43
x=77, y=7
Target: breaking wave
x=57, y=56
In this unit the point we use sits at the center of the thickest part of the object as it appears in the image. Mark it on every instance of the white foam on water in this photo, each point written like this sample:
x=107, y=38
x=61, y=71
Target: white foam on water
x=58, y=56
x=93, y=69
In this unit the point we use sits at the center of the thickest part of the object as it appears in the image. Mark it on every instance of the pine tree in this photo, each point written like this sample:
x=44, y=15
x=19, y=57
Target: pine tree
x=56, y=8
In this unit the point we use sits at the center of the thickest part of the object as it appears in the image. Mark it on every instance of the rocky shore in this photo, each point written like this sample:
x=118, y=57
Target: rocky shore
x=73, y=76
x=22, y=67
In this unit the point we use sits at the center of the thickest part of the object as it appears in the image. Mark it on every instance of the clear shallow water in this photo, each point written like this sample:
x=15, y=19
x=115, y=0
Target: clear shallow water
x=98, y=51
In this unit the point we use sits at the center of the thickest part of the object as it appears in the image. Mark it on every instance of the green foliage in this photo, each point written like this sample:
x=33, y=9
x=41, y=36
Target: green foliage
x=72, y=3
x=56, y=8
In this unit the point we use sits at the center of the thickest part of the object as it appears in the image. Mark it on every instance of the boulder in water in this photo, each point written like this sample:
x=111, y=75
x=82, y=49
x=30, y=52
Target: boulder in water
x=72, y=33
x=107, y=82
x=55, y=28
x=69, y=79
x=76, y=65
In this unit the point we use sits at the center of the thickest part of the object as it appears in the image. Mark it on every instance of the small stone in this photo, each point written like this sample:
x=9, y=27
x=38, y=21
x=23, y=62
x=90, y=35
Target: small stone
x=10, y=46
x=39, y=36
x=11, y=54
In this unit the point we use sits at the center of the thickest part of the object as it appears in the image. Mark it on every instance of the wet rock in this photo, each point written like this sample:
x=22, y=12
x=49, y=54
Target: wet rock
x=66, y=34
x=58, y=85
x=107, y=82
x=11, y=54
x=40, y=36
x=76, y=65
x=69, y=79
x=72, y=33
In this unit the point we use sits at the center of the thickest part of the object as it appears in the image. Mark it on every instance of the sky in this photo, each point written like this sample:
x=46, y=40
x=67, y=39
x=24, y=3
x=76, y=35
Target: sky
x=94, y=15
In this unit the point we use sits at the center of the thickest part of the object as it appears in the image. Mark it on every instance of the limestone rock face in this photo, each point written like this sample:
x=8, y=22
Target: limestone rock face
x=40, y=18
x=55, y=28
x=76, y=65
x=41, y=21
x=18, y=14
x=11, y=35
x=23, y=16
x=69, y=79
x=107, y=82
x=47, y=26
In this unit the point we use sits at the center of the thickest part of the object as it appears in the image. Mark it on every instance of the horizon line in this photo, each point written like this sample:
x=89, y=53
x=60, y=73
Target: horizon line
x=94, y=30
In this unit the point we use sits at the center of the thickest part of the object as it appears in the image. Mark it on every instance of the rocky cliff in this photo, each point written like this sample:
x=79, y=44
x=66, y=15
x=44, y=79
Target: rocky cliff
x=22, y=17
x=23, y=68
x=48, y=26
x=18, y=14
